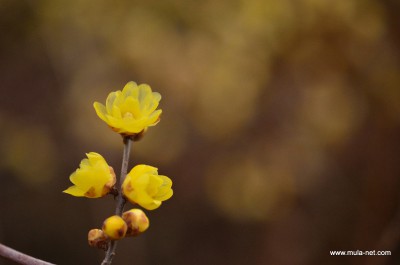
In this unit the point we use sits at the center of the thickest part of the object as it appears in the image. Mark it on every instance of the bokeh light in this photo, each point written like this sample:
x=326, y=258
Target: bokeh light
x=280, y=126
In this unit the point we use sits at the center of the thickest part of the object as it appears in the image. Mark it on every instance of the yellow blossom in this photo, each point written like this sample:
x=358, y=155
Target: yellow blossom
x=145, y=187
x=132, y=110
x=115, y=227
x=93, y=179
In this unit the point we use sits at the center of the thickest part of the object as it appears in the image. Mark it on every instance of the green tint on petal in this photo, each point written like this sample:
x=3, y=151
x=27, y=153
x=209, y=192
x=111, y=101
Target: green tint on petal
x=128, y=89
x=84, y=163
x=167, y=182
x=100, y=111
x=144, y=92
x=164, y=196
x=153, y=105
x=156, y=97
x=165, y=191
x=110, y=101
x=119, y=99
x=154, y=118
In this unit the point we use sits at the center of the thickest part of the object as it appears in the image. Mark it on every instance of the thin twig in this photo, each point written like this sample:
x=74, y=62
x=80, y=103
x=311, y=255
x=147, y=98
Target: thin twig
x=19, y=257
x=120, y=198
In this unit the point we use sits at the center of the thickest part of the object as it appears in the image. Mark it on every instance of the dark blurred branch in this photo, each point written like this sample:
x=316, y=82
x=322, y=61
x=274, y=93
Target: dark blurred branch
x=120, y=198
x=19, y=257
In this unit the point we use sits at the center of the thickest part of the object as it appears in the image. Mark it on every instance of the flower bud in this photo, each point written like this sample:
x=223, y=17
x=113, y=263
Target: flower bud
x=136, y=220
x=97, y=239
x=114, y=227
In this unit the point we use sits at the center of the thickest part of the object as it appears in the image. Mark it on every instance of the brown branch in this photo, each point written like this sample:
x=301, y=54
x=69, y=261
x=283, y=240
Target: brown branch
x=19, y=257
x=120, y=198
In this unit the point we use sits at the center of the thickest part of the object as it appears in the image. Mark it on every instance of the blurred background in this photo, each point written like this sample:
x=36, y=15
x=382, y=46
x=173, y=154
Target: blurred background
x=280, y=127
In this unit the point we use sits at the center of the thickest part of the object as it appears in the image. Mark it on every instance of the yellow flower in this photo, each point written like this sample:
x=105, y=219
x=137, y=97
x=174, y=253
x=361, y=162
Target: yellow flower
x=145, y=187
x=93, y=179
x=132, y=110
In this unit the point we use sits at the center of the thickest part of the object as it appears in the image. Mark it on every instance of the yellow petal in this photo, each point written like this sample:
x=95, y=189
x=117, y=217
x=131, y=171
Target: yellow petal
x=141, y=169
x=116, y=113
x=94, y=158
x=164, y=196
x=156, y=97
x=93, y=179
x=100, y=110
x=151, y=206
x=110, y=101
x=154, y=118
x=131, y=105
x=129, y=89
x=145, y=187
x=144, y=93
x=75, y=191
x=154, y=103
x=131, y=110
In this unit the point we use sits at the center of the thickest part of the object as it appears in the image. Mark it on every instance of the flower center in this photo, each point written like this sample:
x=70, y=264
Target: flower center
x=128, y=115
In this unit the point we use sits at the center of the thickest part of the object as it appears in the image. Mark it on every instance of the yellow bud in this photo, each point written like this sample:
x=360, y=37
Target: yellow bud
x=115, y=227
x=137, y=222
x=98, y=239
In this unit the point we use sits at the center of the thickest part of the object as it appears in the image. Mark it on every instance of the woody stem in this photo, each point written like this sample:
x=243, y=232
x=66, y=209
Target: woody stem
x=120, y=198
x=19, y=257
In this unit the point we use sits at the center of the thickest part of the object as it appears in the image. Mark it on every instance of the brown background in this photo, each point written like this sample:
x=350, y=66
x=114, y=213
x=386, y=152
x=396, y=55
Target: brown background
x=280, y=127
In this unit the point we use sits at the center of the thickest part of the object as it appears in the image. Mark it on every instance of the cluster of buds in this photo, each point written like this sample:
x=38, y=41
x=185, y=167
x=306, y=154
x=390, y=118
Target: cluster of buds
x=132, y=223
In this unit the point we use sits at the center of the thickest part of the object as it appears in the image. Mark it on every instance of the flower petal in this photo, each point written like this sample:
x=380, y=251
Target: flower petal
x=100, y=110
x=94, y=178
x=75, y=191
x=131, y=110
x=110, y=101
x=129, y=89
x=145, y=187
